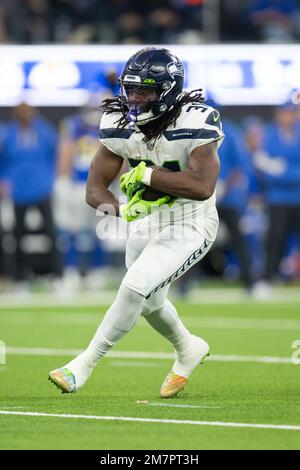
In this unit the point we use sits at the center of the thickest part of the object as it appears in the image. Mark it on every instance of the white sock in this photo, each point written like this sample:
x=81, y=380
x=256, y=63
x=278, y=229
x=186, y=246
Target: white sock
x=187, y=347
x=119, y=320
x=83, y=364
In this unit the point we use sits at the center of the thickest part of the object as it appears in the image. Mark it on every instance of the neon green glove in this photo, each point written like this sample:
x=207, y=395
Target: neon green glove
x=137, y=208
x=131, y=181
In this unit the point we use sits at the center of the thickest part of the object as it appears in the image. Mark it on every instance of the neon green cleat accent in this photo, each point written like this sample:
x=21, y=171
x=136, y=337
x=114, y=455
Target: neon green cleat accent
x=63, y=379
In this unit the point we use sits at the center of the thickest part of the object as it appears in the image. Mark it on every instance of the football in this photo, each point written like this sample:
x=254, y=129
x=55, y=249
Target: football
x=151, y=194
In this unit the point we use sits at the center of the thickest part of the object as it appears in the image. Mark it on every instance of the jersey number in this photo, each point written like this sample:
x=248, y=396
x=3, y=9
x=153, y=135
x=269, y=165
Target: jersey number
x=197, y=106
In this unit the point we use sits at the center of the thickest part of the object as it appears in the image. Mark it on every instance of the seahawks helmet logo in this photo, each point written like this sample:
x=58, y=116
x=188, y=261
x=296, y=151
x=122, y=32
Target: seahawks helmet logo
x=175, y=68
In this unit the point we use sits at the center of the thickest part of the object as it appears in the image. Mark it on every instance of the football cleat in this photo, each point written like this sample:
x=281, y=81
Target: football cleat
x=172, y=385
x=63, y=379
x=175, y=383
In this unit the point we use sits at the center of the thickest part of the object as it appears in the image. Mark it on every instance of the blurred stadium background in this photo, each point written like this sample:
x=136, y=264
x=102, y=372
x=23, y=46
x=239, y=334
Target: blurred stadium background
x=59, y=58
x=61, y=264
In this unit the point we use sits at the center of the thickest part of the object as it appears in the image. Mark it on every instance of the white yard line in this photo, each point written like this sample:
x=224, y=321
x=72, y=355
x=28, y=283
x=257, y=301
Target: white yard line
x=145, y=355
x=39, y=300
x=105, y=297
x=81, y=318
x=13, y=408
x=287, y=427
x=170, y=405
x=133, y=363
x=235, y=296
x=243, y=323
x=39, y=318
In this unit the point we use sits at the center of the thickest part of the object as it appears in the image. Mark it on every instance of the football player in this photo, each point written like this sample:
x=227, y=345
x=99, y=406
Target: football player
x=154, y=126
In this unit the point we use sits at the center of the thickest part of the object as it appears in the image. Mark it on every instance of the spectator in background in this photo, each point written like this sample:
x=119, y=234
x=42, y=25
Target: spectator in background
x=7, y=270
x=232, y=200
x=296, y=101
x=28, y=22
x=79, y=139
x=234, y=22
x=130, y=28
x=175, y=21
x=149, y=21
x=3, y=191
x=191, y=20
x=2, y=264
x=164, y=24
x=279, y=170
x=232, y=196
x=6, y=265
x=122, y=21
x=96, y=21
x=255, y=217
x=275, y=20
x=29, y=160
x=108, y=81
x=3, y=29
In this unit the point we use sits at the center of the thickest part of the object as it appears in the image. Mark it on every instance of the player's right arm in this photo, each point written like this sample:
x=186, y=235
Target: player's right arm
x=104, y=169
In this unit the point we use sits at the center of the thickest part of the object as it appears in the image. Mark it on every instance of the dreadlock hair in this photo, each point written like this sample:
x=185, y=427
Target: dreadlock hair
x=155, y=128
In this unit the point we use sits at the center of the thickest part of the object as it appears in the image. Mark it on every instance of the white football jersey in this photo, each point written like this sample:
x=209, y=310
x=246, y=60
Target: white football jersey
x=198, y=124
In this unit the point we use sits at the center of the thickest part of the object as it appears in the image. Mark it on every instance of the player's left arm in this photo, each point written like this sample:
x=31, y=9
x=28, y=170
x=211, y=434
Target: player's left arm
x=198, y=182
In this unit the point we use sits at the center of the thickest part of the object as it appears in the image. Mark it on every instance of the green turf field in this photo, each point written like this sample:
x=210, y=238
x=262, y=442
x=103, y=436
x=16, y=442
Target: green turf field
x=248, y=380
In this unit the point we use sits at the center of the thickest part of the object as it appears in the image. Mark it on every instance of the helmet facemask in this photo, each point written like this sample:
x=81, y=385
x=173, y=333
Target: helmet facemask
x=140, y=110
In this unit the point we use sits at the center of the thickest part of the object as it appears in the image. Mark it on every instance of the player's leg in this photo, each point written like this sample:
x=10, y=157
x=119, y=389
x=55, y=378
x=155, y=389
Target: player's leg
x=157, y=261
x=167, y=259
x=190, y=350
x=165, y=320
x=118, y=320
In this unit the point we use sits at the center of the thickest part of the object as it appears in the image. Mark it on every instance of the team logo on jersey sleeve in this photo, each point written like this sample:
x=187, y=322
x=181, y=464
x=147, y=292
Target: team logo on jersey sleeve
x=175, y=68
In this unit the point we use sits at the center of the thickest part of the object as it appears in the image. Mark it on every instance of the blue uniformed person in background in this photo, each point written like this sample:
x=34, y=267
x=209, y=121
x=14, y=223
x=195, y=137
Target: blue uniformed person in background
x=280, y=174
x=29, y=163
x=232, y=199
